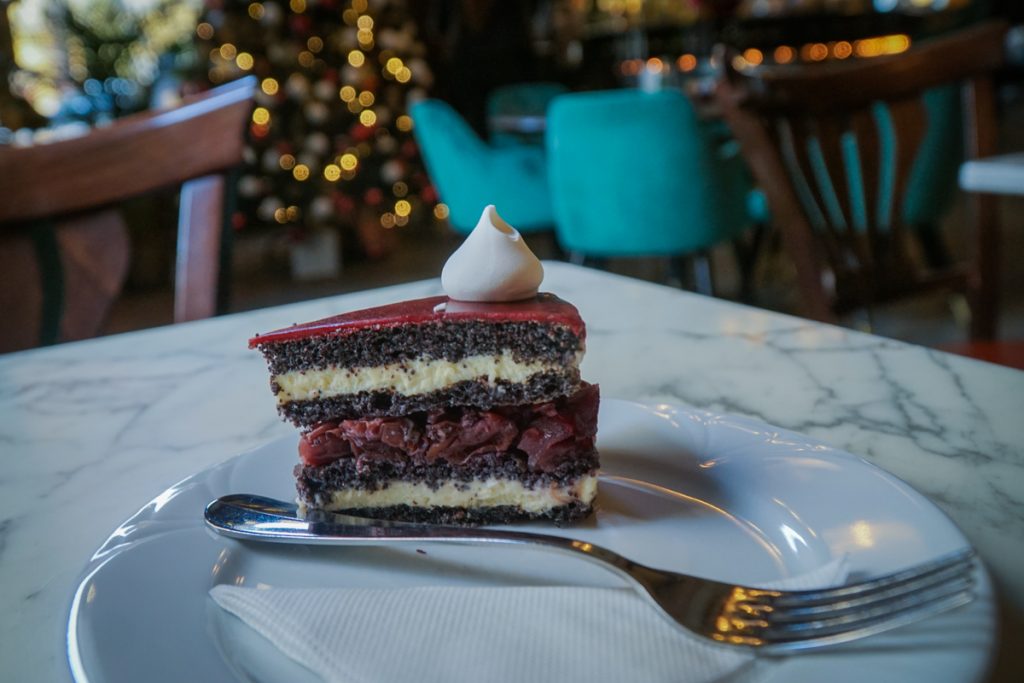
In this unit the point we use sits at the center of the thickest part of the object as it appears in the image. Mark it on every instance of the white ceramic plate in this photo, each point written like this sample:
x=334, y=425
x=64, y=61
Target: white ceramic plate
x=717, y=496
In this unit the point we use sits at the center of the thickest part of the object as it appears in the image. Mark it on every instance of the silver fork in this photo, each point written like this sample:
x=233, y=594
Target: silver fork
x=767, y=619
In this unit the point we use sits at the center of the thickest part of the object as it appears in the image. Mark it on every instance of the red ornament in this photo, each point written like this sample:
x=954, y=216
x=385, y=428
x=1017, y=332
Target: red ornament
x=301, y=24
x=359, y=132
x=238, y=220
x=374, y=196
x=344, y=204
x=428, y=194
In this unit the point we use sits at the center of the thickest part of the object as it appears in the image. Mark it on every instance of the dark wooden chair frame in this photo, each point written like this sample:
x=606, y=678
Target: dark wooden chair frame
x=194, y=145
x=778, y=113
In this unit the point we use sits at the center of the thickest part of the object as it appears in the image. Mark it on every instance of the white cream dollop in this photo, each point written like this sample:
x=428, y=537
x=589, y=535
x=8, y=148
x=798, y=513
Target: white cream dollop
x=493, y=264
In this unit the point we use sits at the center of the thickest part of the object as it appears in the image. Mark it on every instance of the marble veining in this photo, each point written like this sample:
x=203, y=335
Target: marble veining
x=90, y=432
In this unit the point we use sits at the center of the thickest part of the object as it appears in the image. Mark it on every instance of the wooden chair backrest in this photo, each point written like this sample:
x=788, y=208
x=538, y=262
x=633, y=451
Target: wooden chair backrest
x=797, y=126
x=56, y=205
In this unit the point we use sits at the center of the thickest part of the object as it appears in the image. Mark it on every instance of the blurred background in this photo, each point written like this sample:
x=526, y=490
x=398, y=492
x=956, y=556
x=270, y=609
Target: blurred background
x=336, y=192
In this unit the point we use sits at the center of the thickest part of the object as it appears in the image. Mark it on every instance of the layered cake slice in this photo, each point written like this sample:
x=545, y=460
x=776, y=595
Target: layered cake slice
x=441, y=410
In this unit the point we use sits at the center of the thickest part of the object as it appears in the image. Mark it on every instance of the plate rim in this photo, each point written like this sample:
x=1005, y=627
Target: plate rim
x=115, y=544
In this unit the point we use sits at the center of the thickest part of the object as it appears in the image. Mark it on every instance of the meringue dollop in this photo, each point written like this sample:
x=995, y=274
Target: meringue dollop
x=493, y=264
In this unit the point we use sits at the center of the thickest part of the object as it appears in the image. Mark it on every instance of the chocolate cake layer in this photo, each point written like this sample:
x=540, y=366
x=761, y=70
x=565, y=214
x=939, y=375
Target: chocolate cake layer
x=540, y=387
x=452, y=341
x=499, y=514
x=349, y=473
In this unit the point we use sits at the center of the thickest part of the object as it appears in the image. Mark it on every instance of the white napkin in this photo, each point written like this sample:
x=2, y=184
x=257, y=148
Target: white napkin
x=445, y=633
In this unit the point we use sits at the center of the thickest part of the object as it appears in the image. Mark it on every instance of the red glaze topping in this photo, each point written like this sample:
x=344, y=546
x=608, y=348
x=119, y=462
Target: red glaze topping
x=544, y=308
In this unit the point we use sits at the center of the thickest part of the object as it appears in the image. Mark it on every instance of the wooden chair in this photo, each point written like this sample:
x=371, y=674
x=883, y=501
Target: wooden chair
x=810, y=134
x=64, y=247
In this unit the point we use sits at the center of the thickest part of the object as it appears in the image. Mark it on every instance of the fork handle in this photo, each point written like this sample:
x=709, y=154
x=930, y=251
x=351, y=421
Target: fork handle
x=257, y=518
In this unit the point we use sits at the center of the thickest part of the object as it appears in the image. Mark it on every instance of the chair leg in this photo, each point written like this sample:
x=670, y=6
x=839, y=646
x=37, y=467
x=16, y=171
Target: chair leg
x=200, y=222
x=678, y=269
x=227, y=243
x=934, y=248
x=557, y=252
x=984, y=280
x=747, y=252
x=869, y=319
x=703, y=280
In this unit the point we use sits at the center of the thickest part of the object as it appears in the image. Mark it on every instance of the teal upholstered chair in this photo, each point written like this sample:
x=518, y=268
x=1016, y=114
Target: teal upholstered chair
x=522, y=100
x=639, y=174
x=469, y=174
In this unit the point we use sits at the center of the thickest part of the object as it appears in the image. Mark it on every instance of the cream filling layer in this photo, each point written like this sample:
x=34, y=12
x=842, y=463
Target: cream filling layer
x=407, y=379
x=481, y=493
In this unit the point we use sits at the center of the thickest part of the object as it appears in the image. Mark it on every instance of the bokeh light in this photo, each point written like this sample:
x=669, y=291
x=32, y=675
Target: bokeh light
x=783, y=54
x=687, y=62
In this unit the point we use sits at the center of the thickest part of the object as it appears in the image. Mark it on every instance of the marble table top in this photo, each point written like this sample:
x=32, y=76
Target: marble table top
x=91, y=431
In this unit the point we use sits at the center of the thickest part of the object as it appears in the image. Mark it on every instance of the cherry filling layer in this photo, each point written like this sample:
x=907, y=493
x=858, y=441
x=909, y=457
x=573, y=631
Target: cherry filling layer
x=546, y=434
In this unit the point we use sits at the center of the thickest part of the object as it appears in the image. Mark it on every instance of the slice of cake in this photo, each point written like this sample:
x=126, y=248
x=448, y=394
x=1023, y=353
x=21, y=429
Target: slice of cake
x=441, y=410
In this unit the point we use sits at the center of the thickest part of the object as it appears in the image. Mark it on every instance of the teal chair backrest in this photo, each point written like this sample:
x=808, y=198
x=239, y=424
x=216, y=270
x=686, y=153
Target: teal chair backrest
x=469, y=174
x=635, y=174
x=932, y=184
x=521, y=99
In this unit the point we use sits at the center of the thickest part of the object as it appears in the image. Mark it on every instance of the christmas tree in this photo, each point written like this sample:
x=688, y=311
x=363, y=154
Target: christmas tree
x=330, y=142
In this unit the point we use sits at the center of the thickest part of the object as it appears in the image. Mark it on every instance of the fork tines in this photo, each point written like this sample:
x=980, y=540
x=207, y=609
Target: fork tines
x=785, y=620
